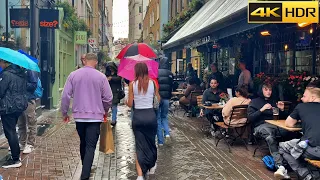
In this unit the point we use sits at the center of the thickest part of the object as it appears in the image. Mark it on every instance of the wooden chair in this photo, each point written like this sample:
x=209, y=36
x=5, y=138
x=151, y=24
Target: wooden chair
x=193, y=105
x=199, y=100
x=315, y=166
x=205, y=127
x=232, y=131
x=315, y=163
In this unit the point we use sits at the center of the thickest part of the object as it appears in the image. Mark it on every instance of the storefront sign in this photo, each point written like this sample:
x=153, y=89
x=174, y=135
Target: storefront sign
x=215, y=46
x=49, y=18
x=20, y=18
x=80, y=37
x=199, y=42
x=92, y=41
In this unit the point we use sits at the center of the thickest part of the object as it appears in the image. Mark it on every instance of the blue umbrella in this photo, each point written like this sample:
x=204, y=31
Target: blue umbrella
x=30, y=57
x=17, y=58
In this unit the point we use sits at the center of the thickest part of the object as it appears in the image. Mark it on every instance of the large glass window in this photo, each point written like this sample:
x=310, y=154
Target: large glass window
x=318, y=55
x=304, y=51
x=278, y=53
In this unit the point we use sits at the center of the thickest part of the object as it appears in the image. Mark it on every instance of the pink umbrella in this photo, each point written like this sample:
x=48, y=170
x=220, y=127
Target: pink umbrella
x=126, y=66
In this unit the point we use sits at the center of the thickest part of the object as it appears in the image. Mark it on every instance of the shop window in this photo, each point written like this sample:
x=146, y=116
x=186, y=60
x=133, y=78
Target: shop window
x=140, y=9
x=223, y=60
x=318, y=55
x=275, y=56
x=304, y=51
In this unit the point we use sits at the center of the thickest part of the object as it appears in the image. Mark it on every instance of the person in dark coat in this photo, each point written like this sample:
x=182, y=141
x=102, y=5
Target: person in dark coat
x=165, y=79
x=115, y=82
x=261, y=109
x=27, y=123
x=13, y=101
x=215, y=74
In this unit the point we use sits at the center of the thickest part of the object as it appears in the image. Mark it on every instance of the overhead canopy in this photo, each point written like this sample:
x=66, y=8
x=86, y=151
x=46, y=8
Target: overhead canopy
x=211, y=13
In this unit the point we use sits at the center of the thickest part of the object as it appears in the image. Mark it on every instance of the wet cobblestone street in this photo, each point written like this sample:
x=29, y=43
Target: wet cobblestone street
x=191, y=155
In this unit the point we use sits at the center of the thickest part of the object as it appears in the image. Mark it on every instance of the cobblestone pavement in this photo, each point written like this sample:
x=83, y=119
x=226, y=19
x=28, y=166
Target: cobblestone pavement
x=191, y=156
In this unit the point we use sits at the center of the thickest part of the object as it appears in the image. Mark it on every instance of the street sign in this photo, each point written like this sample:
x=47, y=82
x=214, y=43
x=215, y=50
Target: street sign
x=92, y=41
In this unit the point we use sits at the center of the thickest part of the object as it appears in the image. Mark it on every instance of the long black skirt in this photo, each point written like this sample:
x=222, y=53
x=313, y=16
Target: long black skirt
x=144, y=125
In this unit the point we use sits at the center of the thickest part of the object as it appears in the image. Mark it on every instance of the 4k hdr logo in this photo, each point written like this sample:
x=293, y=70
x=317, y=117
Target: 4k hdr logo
x=283, y=12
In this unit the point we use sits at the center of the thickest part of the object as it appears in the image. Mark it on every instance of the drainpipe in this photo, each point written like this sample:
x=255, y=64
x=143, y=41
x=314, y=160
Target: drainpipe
x=32, y=28
x=7, y=22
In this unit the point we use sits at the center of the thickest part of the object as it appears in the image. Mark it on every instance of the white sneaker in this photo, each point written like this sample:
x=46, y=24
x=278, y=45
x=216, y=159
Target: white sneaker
x=12, y=164
x=168, y=140
x=28, y=149
x=153, y=170
x=140, y=178
x=281, y=173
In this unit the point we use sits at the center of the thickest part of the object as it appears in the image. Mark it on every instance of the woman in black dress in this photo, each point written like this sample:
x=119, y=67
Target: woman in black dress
x=144, y=123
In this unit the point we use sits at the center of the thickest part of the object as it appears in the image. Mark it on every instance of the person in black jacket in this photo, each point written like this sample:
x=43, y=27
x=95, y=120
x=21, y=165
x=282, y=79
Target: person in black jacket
x=216, y=75
x=165, y=79
x=28, y=117
x=261, y=109
x=115, y=82
x=13, y=101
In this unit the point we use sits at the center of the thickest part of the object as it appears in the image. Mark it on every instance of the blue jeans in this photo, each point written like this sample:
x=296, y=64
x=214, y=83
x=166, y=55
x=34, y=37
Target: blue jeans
x=114, y=111
x=162, y=116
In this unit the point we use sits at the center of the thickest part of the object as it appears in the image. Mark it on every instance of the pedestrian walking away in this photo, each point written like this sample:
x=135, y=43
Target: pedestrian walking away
x=144, y=124
x=28, y=121
x=165, y=81
x=117, y=89
x=89, y=109
x=13, y=101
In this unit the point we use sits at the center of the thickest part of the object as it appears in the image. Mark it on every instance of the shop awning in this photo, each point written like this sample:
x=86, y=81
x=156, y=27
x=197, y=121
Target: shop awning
x=211, y=13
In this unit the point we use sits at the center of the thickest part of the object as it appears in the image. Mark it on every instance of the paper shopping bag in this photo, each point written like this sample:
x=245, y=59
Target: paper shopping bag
x=106, y=138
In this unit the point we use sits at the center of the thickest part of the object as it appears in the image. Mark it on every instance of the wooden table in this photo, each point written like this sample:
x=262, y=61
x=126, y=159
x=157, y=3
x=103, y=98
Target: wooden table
x=213, y=106
x=281, y=124
x=178, y=93
x=179, y=89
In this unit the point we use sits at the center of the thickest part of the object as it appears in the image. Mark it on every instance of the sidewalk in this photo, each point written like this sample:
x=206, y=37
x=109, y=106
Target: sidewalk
x=190, y=157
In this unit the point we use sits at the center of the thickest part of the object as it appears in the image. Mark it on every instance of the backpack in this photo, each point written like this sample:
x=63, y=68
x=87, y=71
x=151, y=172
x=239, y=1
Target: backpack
x=269, y=162
x=39, y=91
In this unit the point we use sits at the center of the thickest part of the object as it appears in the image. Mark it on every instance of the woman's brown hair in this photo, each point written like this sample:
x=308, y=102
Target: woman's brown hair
x=242, y=90
x=142, y=75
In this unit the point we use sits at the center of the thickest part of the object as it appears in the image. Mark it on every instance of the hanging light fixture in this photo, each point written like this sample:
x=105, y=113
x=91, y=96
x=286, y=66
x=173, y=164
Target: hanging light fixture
x=304, y=24
x=265, y=33
x=310, y=30
x=286, y=47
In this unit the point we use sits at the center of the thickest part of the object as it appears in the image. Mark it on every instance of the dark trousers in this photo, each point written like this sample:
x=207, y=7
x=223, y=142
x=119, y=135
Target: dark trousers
x=89, y=134
x=298, y=165
x=270, y=133
x=210, y=116
x=9, y=123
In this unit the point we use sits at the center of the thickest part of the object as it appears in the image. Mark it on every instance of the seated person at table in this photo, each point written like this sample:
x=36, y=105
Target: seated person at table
x=212, y=94
x=186, y=98
x=308, y=113
x=259, y=110
x=240, y=99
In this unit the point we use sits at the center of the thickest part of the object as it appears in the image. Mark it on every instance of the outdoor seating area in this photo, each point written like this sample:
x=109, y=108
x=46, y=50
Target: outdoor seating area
x=238, y=137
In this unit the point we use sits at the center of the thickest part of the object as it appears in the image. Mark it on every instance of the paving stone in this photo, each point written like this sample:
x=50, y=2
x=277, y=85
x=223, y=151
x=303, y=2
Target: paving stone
x=192, y=155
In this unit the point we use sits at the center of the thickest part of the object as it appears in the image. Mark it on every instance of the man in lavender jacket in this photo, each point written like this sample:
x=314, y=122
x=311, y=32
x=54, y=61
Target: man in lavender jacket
x=92, y=98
